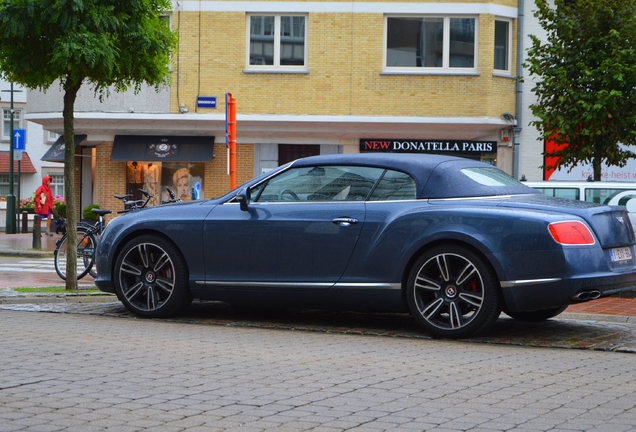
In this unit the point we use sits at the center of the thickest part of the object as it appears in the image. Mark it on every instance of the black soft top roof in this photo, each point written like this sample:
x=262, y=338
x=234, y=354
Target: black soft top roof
x=436, y=176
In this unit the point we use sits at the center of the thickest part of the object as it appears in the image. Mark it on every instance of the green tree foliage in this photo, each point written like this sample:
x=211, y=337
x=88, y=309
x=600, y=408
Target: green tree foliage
x=102, y=43
x=585, y=70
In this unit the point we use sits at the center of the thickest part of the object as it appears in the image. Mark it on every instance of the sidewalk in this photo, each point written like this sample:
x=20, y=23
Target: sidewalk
x=22, y=245
x=616, y=309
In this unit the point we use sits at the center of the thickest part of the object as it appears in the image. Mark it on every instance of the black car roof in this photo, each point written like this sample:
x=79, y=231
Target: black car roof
x=436, y=176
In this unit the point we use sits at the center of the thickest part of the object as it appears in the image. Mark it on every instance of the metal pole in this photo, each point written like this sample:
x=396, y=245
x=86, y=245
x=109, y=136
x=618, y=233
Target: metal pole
x=17, y=201
x=518, y=92
x=10, y=222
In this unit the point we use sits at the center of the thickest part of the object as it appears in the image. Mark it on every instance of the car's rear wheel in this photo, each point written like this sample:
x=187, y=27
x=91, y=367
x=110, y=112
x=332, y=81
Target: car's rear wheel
x=453, y=292
x=151, y=277
x=536, y=316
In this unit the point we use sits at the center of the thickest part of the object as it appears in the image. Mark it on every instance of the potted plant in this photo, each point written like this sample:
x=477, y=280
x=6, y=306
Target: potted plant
x=88, y=215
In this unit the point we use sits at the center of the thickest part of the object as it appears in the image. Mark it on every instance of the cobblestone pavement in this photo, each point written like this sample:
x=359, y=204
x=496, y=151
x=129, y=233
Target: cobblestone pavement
x=574, y=331
x=78, y=362
x=79, y=372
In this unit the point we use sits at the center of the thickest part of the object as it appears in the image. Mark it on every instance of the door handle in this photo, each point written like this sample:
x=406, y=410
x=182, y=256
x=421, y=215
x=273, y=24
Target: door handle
x=345, y=221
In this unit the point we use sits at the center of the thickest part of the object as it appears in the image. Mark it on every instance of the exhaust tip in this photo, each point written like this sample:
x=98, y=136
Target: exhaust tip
x=587, y=296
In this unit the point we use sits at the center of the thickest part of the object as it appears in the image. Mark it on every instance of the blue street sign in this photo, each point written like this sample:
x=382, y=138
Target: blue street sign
x=206, y=101
x=19, y=139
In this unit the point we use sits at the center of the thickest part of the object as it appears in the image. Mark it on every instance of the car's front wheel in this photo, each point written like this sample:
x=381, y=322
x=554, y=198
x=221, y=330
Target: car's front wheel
x=151, y=277
x=452, y=292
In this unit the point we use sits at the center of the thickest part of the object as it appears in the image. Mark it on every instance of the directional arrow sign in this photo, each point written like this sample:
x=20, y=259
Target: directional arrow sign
x=19, y=136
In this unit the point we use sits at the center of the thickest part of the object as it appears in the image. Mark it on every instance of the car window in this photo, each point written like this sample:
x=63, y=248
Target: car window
x=394, y=185
x=568, y=193
x=319, y=183
x=490, y=177
x=601, y=196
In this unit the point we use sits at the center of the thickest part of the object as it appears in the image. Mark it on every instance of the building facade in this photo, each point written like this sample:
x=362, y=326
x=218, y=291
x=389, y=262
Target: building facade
x=28, y=168
x=309, y=78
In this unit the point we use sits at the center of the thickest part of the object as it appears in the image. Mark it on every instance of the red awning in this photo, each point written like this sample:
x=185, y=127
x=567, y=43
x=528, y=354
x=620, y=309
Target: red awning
x=26, y=166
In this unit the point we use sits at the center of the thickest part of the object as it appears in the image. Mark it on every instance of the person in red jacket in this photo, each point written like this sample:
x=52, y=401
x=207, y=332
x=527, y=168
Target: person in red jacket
x=44, y=203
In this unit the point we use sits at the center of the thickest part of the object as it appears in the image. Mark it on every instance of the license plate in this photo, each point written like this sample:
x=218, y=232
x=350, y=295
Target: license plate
x=621, y=254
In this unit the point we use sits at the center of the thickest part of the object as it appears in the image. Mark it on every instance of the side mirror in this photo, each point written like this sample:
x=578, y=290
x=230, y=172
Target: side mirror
x=243, y=198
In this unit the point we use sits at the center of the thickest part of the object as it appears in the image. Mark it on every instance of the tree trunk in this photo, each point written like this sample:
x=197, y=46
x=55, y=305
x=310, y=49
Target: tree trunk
x=596, y=164
x=70, y=93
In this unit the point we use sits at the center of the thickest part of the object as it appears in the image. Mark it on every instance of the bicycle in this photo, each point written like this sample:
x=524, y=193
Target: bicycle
x=88, y=237
x=173, y=197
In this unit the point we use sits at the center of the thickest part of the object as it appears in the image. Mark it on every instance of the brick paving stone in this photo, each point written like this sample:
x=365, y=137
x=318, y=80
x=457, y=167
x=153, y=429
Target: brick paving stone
x=364, y=382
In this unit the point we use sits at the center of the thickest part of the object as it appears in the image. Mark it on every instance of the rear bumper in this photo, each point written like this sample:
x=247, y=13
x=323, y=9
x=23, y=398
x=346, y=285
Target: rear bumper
x=530, y=295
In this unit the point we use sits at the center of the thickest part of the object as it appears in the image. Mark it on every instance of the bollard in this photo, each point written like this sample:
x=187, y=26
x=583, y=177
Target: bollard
x=37, y=234
x=25, y=222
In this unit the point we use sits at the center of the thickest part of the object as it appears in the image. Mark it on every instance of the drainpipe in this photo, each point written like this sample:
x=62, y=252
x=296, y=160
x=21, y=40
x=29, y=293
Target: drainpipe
x=518, y=91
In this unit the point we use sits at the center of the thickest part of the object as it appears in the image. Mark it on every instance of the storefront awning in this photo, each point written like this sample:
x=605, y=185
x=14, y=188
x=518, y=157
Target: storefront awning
x=56, y=152
x=148, y=148
x=26, y=166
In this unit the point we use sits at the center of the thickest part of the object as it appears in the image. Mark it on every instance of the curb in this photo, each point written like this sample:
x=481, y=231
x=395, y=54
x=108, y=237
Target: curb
x=29, y=253
x=597, y=317
x=13, y=297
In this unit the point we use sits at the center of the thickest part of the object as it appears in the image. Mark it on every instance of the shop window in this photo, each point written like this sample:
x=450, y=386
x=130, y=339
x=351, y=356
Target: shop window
x=291, y=152
x=277, y=42
x=431, y=44
x=6, y=122
x=185, y=179
x=502, y=46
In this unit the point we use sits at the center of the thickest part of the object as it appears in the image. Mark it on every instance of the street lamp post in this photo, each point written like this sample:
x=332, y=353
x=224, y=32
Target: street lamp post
x=10, y=222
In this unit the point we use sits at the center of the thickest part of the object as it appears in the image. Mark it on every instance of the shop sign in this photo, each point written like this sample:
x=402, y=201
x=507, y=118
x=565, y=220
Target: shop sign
x=426, y=146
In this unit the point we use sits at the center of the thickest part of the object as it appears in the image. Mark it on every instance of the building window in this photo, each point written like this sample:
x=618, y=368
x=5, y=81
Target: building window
x=4, y=185
x=431, y=44
x=52, y=136
x=6, y=122
x=277, y=42
x=502, y=46
x=57, y=184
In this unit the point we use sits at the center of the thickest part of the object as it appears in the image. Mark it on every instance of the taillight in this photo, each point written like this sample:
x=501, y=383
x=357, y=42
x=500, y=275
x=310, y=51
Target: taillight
x=571, y=233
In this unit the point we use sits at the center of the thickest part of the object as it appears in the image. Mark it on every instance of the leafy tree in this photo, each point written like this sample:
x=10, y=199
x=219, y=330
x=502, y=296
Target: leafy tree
x=103, y=43
x=586, y=80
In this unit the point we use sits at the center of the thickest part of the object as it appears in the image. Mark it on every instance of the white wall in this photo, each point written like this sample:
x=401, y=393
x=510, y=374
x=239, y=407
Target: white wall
x=530, y=149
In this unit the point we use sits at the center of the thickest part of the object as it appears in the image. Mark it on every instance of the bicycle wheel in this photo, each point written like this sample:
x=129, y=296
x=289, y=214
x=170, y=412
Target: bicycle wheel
x=90, y=263
x=85, y=243
x=93, y=268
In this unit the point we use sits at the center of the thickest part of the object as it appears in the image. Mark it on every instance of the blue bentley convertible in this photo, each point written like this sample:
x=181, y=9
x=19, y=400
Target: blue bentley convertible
x=452, y=241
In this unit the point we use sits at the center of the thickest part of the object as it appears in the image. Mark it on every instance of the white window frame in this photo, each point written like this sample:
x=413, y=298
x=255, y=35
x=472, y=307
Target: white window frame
x=4, y=184
x=276, y=67
x=17, y=123
x=507, y=71
x=445, y=69
x=52, y=136
x=56, y=187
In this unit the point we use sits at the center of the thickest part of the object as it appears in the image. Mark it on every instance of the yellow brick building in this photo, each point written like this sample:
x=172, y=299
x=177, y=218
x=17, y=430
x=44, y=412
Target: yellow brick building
x=309, y=78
